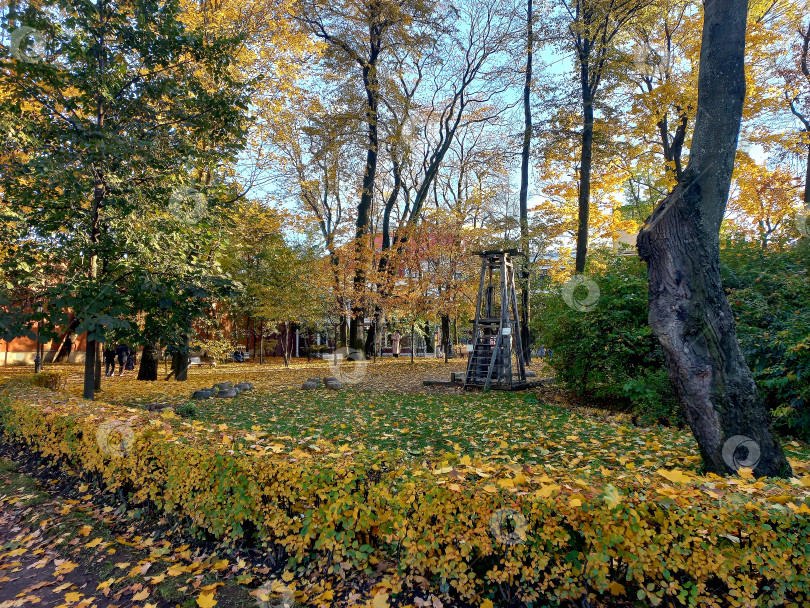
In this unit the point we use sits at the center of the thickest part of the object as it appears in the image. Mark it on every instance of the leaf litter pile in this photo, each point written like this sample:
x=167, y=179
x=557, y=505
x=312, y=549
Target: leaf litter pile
x=60, y=546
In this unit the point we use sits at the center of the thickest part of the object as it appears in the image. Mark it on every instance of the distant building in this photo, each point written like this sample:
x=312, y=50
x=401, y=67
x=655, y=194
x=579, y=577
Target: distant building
x=625, y=244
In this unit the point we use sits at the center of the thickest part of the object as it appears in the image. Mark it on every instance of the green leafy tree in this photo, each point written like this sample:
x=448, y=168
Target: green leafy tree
x=279, y=281
x=125, y=106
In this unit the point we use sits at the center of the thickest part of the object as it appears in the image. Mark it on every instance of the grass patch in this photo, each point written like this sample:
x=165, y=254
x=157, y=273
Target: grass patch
x=500, y=426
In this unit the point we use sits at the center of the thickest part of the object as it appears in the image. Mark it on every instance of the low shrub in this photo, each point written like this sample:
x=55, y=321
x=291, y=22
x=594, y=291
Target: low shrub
x=610, y=353
x=186, y=410
x=50, y=380
x=663, y=539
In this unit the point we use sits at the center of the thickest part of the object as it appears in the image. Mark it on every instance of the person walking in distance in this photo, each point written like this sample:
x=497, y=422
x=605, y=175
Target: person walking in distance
x=109, y=360
x=395, y=343
x=121, y=352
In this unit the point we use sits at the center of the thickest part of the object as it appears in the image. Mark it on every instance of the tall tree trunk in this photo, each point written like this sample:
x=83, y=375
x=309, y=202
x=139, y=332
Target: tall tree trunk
x=807, y=181
x=362, y=224
x=99, y=195
x=285, y=344
x=680, y=243
x=97, y=375
x=91, y=348
x=180, y=362
x=428, y=339
x=446, y=336
x=371, y=337
x=341, y=336
x=524, y=190
x=586, y=158
x=89, y=369
x=150, y=358
x=413, y=344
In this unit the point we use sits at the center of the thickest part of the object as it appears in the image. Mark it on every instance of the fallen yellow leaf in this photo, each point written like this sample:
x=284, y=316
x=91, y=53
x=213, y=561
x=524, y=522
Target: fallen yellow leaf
x=546, y=491
x=380, y=600
x=674, y=475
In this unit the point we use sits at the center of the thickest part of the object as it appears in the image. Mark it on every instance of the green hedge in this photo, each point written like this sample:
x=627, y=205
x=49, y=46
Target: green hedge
x=629, y=541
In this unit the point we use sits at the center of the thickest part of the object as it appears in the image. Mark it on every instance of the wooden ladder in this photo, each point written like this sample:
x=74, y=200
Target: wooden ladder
x=482, y=361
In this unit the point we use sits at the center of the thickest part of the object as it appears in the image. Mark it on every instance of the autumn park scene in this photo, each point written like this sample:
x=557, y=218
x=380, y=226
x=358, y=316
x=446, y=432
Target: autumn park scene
x=404, y=303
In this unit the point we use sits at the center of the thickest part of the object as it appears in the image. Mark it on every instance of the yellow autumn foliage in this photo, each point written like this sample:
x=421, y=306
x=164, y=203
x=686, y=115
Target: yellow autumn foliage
x=334, y=512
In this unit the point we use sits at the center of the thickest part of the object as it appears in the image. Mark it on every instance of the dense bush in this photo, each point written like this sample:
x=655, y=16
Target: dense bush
x=769, y=292
x=609, y=353
x=666, y=542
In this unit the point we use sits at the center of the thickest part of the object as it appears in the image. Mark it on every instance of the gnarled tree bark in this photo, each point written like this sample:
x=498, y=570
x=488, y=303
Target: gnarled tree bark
x=680, y=243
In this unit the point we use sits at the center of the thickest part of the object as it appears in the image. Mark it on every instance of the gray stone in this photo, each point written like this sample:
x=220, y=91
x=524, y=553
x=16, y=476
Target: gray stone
x=244, y=386
x=224, y=385
x=308, y=386
x=334, y=385
x=315, y=380
x=328, y=379
x=228, y=392
x=205, y=393
x=531, y=374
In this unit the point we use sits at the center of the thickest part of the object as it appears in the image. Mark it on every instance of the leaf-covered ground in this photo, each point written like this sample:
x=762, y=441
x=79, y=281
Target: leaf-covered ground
x=385, y=374
x=391, y=410
x=501, y=428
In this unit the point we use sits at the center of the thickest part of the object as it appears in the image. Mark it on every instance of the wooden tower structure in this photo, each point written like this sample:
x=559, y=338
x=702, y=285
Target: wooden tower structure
x=496, y=327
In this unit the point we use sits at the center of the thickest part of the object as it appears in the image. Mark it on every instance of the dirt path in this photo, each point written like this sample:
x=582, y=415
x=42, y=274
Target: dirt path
x=35, y=564
x=60, y=549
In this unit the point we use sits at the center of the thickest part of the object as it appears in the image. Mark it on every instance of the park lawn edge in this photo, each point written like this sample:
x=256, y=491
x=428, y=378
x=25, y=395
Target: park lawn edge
x=700, y=540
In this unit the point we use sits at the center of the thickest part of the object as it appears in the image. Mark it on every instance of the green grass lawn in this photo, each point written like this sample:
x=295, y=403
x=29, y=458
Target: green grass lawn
x=496, y=425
